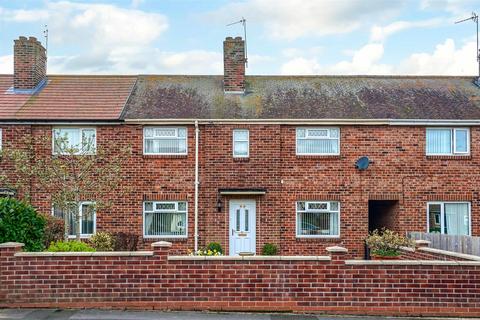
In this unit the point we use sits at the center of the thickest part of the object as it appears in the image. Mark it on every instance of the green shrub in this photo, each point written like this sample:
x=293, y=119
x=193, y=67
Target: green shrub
x=386, y=242
x=102, y=241
x=269, y=249
x=54, y=230
x=19, y=222
x=214, y=246
x=70, y=246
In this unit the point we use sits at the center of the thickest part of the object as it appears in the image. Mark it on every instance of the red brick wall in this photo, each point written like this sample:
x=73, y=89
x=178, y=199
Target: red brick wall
x=400, y=171
x=268, y=285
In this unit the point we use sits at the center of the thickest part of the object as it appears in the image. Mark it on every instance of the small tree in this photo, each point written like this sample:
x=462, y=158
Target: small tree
x=74, y=172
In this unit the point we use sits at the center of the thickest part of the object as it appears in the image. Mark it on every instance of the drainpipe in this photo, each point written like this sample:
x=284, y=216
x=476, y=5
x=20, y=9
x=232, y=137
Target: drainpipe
x=197, y=131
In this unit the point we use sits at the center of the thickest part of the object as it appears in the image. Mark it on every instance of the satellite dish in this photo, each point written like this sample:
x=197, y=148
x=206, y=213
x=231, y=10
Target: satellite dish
x=362, y=163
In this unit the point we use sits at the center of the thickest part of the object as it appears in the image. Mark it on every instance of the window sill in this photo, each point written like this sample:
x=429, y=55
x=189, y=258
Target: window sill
x=449, y=157
x=171, y=156
x=319, y=156
x=240, y=159
x=153, y=238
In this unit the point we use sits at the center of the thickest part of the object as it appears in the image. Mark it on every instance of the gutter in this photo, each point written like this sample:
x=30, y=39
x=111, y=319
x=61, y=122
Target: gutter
x=197, y=182
x=367, y=122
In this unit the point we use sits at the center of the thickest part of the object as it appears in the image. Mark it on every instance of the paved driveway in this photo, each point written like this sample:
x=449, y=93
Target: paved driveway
x=55, y=314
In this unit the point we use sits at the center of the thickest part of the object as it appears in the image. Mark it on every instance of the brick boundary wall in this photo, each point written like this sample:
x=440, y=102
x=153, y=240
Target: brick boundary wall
x=155, y=280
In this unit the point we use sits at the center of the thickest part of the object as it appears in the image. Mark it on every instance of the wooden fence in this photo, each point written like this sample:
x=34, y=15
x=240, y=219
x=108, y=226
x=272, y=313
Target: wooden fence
x=461, y=244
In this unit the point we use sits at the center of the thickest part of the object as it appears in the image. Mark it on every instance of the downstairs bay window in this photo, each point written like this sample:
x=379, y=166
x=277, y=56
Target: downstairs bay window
x=86, y=215
x=318, y=219
x=449, y=217
x=165, y=219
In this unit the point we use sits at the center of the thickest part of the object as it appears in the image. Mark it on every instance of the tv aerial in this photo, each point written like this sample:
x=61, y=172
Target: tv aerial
x=474, y=18
x=45, y=34
x=243, y=21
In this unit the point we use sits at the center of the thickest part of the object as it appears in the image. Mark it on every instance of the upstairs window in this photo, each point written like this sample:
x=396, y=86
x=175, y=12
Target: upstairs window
x=318, y=218
x=165, y=141
x=448, y=141
x=166, y=219
x=74, y=141
x=449, y=218
x=86, y=215
x=241, y=144
x=318, y=141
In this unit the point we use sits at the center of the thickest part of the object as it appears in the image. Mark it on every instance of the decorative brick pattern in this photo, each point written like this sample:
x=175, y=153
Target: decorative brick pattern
x=154, y=281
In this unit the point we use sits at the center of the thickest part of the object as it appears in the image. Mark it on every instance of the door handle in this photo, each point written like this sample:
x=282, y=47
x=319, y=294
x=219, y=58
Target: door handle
x=233, y=232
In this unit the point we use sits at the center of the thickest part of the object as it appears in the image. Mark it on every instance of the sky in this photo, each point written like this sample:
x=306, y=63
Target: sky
x=293, y=37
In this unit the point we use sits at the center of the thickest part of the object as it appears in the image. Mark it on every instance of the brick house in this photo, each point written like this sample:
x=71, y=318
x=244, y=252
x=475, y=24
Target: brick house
x=248, y=160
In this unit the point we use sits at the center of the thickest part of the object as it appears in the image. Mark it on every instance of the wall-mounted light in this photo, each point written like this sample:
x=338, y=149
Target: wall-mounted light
x=219, y=204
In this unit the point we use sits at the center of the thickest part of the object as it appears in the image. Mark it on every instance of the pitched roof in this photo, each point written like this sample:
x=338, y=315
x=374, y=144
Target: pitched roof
x=306, y=97
x=68, y=97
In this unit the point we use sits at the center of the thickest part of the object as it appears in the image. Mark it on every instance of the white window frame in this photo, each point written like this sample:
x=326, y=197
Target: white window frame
x=81, y=135
x=307, y=210
x=319, y=138
x=247, y=141
x=174, y=210
x=83, y=235
x=453, y=142
x=442, y=214
x=145, y=138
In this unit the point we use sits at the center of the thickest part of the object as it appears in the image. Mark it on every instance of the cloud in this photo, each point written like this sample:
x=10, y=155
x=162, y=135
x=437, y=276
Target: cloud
x=364, y=61
x=455, y=7
x=380, y=34
x=6, y=64
x=95, y=33
x=446, y=59
x=292, y=19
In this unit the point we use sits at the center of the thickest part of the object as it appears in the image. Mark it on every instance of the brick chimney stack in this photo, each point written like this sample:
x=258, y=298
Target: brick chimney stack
x=29, y=63
x=234, y=65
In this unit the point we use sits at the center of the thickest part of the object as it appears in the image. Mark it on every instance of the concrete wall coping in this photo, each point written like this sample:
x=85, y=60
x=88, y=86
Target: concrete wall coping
x=413, y=262
x=162, y=244
x=11, y=245
x=337, y=249
x=85, y=254
x=249, y=258
x=451, y=253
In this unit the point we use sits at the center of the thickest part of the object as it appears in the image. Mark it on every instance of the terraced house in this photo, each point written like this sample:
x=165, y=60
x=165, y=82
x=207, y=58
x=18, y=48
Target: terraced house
x=301, y=162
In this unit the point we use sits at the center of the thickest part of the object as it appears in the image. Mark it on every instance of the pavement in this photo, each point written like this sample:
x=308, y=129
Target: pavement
x=92, y=314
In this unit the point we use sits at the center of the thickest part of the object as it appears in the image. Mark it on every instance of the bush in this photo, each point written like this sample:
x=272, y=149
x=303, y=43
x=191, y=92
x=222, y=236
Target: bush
x=125, y=241
x=102, y=241
x=269, y=249
x=387, y=243
x=70, y=246
x=19, y=222
x=214, y=246
x=54, y=230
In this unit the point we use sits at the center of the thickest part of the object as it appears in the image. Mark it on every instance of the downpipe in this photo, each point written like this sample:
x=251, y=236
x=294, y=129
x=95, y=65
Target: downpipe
x=197, y=132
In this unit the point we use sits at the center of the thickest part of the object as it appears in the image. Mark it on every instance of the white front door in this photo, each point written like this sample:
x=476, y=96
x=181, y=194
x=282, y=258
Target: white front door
x=242, y=226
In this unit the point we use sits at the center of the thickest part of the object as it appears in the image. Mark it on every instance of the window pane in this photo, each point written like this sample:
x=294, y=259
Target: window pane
x=165, y=132
x=88, y=140
x=182, y=206
x=241, y=148
x=165, y=206
x=148, y=206
x=456, y=218
x=300, y=133
x=439, y=141
x=238, y=220
x=461, y=141
x=317, y=223
x=434, y=218
x=165, y=224
x=317, y=146
x=246, y=220
x=182, y=132
x=240, y=135
x=88, y=216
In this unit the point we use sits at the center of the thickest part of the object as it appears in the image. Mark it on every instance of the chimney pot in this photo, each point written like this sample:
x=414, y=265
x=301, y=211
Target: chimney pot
x=234, y=64
x=29, y=63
